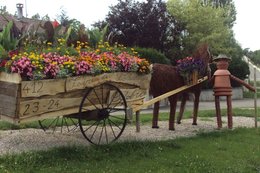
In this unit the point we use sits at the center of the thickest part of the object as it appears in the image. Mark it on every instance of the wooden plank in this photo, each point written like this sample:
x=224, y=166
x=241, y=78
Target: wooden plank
x=12, y=77
x=8, y=105
x=8, y=112
x=86, y=81
x=40, y=106
x=7, y=100
x=42, y=87
x=9, y=89
x=54, y=114
x=81, y=82
x=168, y=94
x=141, y=81
x=48, y=115
x=71, y=94
x=130, y=94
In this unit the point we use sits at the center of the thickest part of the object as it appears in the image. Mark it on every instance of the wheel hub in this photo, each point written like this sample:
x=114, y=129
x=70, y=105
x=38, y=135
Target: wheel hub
x=103, y=114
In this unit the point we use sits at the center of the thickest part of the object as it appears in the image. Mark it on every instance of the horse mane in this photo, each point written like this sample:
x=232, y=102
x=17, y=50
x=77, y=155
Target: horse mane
x=202, y=52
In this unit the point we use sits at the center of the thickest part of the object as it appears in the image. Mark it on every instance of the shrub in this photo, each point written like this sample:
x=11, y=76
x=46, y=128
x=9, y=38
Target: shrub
x=152, y=55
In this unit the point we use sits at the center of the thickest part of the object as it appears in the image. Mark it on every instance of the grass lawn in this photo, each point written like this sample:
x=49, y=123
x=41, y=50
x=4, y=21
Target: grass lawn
x=221, y=151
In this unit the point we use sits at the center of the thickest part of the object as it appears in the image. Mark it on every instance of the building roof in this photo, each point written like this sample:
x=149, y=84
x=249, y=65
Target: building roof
x=22, y=24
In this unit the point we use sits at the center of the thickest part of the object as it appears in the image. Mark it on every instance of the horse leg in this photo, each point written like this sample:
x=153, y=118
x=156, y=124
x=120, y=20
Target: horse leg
x=173, y=104
x=182, y=107
x=196, y=107
x=155, y=114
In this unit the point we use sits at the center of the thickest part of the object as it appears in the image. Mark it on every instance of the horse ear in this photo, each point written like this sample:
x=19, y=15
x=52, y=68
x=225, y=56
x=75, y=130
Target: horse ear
x=210, y=55
x=201, y=51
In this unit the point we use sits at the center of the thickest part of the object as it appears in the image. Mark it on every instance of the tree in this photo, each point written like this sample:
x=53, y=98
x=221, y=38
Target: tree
x=36, y=16
x=254, y=56
x=3, y=10
x=208, y=22
x=46, y=18
x=143, y=24
x=75, y=29
x=228, y=5
x=63, y=18
x=203, y=23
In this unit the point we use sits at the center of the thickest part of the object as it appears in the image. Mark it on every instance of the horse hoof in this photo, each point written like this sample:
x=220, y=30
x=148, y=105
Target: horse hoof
x=172, y=129
x=155, y=127
x=194, y=124
x=178, y=122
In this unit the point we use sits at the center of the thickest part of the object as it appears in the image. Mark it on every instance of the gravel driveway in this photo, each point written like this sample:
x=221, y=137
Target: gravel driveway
x=16, y=141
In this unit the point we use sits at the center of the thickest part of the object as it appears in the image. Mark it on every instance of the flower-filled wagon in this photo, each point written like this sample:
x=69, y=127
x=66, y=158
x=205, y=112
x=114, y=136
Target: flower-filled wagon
x=91, y=91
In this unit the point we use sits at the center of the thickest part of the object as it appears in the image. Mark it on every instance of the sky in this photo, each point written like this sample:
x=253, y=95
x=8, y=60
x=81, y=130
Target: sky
x=246, y=29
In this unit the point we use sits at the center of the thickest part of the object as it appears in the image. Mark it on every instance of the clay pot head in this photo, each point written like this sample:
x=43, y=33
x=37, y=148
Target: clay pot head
x=222, y=61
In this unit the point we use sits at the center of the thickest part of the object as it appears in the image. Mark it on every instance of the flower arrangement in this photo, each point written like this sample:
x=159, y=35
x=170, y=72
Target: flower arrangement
x=57, y=62
x=189, y=64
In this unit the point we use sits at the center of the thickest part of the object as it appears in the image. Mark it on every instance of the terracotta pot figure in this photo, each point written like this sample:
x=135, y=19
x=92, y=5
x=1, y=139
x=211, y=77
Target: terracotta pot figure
x=222, y=87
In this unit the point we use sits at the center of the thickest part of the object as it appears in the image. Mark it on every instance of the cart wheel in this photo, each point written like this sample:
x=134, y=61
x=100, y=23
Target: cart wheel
x=102, y=114
x=62, y=124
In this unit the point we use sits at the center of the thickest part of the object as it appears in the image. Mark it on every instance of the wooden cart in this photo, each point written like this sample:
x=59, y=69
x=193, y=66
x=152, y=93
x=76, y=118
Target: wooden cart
x=99, y=105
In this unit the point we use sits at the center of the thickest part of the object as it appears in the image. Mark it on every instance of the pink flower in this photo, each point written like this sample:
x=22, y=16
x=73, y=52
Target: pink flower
x=51, y=70
x=23, y=66
x=82, y=67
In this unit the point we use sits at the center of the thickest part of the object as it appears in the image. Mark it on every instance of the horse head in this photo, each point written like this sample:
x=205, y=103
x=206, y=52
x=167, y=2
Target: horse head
x=203, y=52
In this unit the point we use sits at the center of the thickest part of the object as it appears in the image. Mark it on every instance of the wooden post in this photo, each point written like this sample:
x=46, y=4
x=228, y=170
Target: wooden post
x=255, y=102
x=137, y=114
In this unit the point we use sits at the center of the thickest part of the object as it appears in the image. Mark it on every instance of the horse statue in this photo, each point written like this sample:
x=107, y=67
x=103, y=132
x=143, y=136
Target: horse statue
x=166, y=78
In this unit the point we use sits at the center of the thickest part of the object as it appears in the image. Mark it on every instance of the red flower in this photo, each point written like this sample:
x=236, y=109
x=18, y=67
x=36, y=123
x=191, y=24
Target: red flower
x=13, y=52
x=3, y=62
x=55, y=24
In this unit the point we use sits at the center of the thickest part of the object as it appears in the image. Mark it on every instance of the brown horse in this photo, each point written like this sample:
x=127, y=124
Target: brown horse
x=166, y=78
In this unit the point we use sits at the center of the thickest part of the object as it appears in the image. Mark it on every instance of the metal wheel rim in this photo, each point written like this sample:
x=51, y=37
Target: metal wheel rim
x=108, y=127
x=60, y=124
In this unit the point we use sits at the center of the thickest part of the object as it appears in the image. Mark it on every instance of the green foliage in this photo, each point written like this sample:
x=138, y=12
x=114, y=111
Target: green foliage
x=3, y=53
x=203, y=24
x=97, y=35
x=7, y=40
x=209, y=22
x=255, y=57
x=36, y=16
x=152, y=55
x=220, y=152
x=228, y=5
x=78, y=33
x=3, y=10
